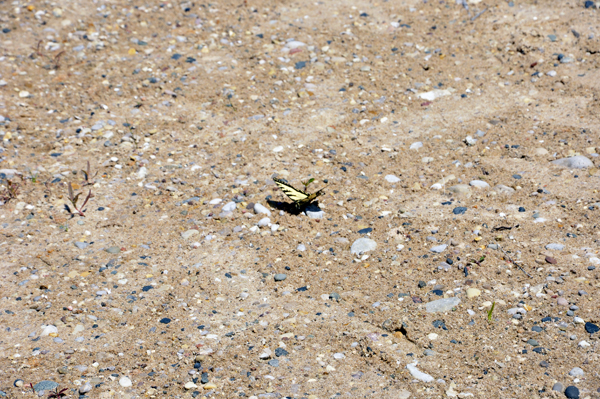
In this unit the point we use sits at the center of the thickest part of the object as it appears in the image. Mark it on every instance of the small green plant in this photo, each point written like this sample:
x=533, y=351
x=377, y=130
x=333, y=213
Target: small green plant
x=75, y=197
x=306, y=183
x=88, y=176
x=58, y=394
x=32, y=176
x=490, y=312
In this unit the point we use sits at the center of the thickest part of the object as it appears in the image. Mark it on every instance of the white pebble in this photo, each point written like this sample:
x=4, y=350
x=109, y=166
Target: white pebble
x=125, y=382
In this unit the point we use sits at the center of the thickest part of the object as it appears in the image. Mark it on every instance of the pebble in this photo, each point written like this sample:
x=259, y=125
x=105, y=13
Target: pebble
x=392, y=179
x=479, y=184
x=473, y=292
x=591, y=328
x=576, y=162
x=280, y=277
x=45, y=385
x=459, y=210
x=190, y=385
x=562, y=302
x=557, y=247
x=261, y=209
x=460, y=189
x=362, y=245
x=502, y=189
x=264, y=222
x=85, y=388
x=558, y=387
x=418, y=374
x=439, y=248
x=229, y=207
x=314, y=212
x=576, y=372
x=442, y=305
x=125, y=382
x=18, y=383
x=572, y=392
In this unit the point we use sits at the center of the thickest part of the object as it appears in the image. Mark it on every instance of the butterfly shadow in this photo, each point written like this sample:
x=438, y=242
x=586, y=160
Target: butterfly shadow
x=292, y=209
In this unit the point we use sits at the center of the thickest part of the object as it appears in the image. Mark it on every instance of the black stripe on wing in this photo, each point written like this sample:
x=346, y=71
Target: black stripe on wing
x=291, y=192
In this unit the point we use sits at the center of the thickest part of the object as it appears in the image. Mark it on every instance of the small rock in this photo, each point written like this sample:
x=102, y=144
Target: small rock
x=113, y=250
x=18, y=383
x=125, y=382
x=576, y=372
x=439, y=248
x=558, y=387
x=459, y=189
x=392, y=179
x=473, y=292
x=505, y=190
x=418, y=374
x=551, y=260
x=229, y=207
x=85, y=388
x=591, y=328
x=362, y=245
x=557, y=247
x=479, y=184
x=562, y=302
x=280, y=277
x=576, y=162
x=190, y=385
x=442, y=305
x=45, y=386
x=50, y=329
x=572, y=392
x=264, y=222
x=258, y=208
x=459, y=210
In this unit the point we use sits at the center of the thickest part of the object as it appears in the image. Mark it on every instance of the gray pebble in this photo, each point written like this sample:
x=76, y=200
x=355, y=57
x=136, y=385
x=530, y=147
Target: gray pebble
x=85, y=388
x=280, y=277
x=558, y=387
x=576, y=372
x=442, y=305
x=362, y=245
x=45, y=386
x=576, y=162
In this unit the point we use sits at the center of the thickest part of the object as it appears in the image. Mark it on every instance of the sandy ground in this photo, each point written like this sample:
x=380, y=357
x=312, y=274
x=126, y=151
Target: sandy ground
x=433, y=128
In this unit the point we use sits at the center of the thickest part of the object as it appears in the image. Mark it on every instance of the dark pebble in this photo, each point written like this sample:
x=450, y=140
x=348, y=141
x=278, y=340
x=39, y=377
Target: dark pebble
x=165, y=320
x=422, y=284
x=521, y=209
x=459, y=210
x=281, y=352
x=537, y=329
x=587, y=4
x=204, y=378
x=365, y=231
x=591, y=328
x=551, y=260
x=572, y=392
x=544, y=364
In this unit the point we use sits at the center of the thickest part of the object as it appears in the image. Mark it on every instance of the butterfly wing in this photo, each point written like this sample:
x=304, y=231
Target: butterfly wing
x=299, y=197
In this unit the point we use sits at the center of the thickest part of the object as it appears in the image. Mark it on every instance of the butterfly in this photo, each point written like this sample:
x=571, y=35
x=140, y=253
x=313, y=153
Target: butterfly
x=299, y=197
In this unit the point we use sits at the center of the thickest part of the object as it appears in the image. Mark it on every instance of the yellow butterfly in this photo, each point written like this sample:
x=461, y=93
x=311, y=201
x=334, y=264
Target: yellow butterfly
x=300, y=198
